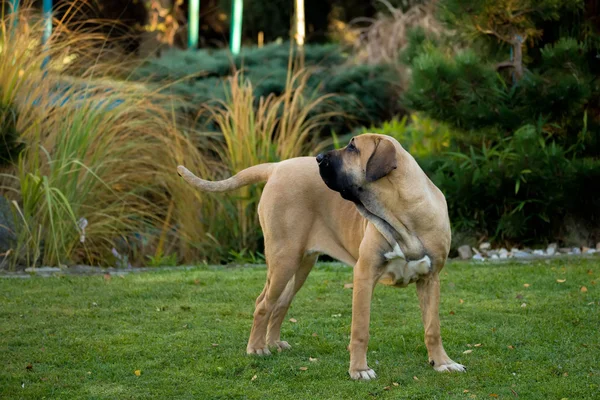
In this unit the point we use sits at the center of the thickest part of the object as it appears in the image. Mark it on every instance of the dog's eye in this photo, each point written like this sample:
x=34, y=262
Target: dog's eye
x=351, y=146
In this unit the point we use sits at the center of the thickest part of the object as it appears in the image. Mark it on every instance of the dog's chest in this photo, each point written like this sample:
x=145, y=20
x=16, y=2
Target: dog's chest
x=402, y=272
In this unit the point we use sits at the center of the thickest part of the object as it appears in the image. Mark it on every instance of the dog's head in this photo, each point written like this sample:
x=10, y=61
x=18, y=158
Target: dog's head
x=354, y=168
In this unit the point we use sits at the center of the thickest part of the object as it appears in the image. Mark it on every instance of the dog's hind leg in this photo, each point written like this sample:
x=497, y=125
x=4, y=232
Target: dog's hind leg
x=282, y=266
x=283, y=304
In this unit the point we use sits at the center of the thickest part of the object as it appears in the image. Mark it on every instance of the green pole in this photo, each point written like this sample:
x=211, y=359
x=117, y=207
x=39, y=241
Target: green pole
x=235, y=42
x=194, y=16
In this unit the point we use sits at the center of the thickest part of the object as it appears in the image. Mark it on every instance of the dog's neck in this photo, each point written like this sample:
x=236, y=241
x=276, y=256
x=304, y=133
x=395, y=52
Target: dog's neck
x=394, y=224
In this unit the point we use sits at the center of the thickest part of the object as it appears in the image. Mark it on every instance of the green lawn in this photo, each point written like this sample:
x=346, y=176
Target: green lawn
x=185, y=331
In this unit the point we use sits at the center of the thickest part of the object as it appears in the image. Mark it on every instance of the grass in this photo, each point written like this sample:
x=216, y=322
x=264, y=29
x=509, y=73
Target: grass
x=186, y=331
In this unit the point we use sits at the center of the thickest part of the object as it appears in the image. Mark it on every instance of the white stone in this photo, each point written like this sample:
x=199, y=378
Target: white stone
x=485, y=246
x=551, y=249
x=465, y=252
x=521, y=254
x=539, y=252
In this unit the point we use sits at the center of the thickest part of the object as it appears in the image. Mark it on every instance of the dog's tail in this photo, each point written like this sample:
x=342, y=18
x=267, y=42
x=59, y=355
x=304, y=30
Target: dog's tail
x=248, y=176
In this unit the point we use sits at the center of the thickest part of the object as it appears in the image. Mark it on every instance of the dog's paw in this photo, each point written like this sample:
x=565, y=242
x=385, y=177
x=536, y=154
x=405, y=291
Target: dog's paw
x=362, y=374
x=280, y=345
x=450, y=367
x=262, y=351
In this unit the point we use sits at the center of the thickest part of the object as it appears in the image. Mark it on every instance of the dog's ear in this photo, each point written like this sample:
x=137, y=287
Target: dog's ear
x=382, y=160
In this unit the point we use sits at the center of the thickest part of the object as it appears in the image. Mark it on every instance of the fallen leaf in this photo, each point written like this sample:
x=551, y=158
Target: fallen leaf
x=465, y=391
x=386, y=388
x=566, y=374
x=336, y=315
x=315, y=334
x=461, y=301
x=215, y=344
x=590, y=272
x=294, y=320
x=348, y=286
x=467, y=351
x=312, y=359
x=468, y=344
x=107, y=277
x=137, y=372
x=415, y=378
x=511, y=347
x=478, y=345
x=43, y=379
x=526, y=285
x=196, y=281
x=451, y=312
x=493, y=395
x=303, y=368
x=519, y=296
x=29, y=367
x=583, y=289
x=561, y=280
x=593, y=282
x=395, y=384
x=524, y=305
x=185, y=308
x=254, y=378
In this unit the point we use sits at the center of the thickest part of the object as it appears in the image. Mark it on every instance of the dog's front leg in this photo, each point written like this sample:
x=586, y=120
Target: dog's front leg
x=428, y=290
x=365, y=277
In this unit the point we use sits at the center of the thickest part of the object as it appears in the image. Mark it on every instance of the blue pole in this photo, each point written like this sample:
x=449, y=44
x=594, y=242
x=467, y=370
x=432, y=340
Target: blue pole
x=14, y=9
x=194, y=18
x=14, y=6
x=47, y=13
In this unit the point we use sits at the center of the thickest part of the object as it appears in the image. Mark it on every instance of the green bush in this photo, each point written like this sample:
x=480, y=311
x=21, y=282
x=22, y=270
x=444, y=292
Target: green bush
x=521, y=189
x=420, y=136
x=523, y=154
x=365, y=94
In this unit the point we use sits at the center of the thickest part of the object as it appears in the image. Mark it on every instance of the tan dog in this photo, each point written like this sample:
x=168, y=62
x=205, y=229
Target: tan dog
x=395, y=226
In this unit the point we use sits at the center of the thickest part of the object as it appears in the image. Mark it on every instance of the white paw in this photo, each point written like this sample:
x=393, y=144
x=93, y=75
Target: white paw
x=363, y=374
x=281, y=345
x=451, y=367
x=259, y=351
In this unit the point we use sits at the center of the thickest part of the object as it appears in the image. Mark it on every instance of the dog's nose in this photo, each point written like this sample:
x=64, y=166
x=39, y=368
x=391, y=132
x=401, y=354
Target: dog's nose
x=320, y=158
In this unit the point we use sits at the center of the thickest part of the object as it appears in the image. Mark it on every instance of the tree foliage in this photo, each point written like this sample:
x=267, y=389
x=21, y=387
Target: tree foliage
x=518, y=80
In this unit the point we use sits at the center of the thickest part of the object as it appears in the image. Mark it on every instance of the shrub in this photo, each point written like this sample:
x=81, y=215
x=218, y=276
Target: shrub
x=366, y=94
x=278, y=128
x=522, y=146
x=96, y=177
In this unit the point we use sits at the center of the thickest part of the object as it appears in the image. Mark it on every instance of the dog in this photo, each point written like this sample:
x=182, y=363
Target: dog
x=368, y=205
